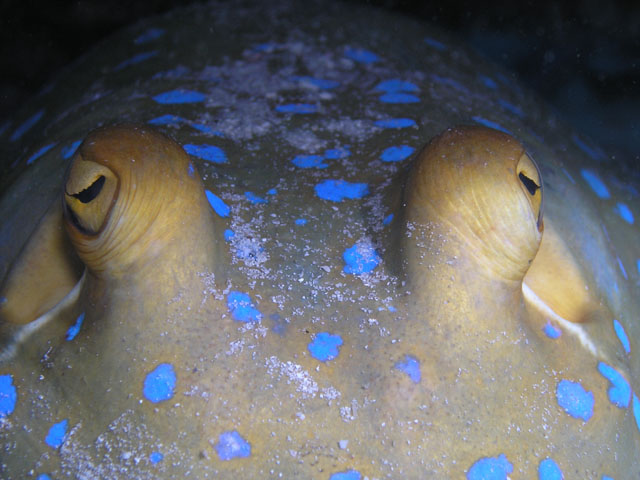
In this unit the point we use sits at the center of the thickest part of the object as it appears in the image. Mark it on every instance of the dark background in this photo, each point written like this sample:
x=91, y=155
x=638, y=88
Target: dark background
x=582, y=56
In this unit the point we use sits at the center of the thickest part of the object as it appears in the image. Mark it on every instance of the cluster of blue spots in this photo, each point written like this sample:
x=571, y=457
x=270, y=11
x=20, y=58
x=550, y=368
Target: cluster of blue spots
x=410, y=366
x=301, y=221
x=490, y=468
x=593, y=153
x=620, y=391
x=44, y=150
x=231, y=445
x=320, y=83
x=303, y=108
x=622, y=335
x=387, y=220
x=397, y=153
x=625, y=212
x=155, y=457
x=488, y=82
x=140, y=57
x=551, y=331
x=229, y=234
x=622, y=269
x=255, y=199
x=360, y=55
x=242, y=308
x=595, y=183
x=179, y=96
x=207, y=152
x=338, y=190
x=159, y=384
x=395, y=123
x=636, y=410
x=8, y=396
x=549, y=470
x=309, y=161
x=347, y=475
x=324, y=346
x=28, y=123
x=433, y=43
x=67, y=152
x=575, y=400
x=149, y=35
x=75, y=328
x=57, y=432
x=176, y=120
x=490, y=124
x=360, y=258
x=217, y=204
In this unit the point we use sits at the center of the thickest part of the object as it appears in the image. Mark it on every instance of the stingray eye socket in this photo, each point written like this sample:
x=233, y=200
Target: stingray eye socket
x=531, y=183
x=89, y=194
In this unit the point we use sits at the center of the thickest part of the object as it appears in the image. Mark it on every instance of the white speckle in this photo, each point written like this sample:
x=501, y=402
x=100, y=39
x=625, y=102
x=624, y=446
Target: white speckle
x=343, y=444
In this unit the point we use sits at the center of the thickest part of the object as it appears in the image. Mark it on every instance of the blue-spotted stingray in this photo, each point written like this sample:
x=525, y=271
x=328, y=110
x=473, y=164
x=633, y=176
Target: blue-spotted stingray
x=239, y=244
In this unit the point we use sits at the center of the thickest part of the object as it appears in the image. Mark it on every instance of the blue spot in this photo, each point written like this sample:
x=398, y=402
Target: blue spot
x=338, y=190
x=397, y=154
x=191, y=169
x=510, y=107
x=396, y=85
x=549, y=470
x=265, y=47
x=449, y=82
x=149, y=35
x=336, y=153
x=166, y=120
x=75, y=328
x=141, y=57
x=8, y=396
x=622, y=335
x=325, y=346
x=218, y=205
x=301, y=221
x=160, y=383
x=253, y=198
x=388, y=219
x=67, y=152
x=361, y=258
x=242, y=308
x=309, y=161
x=57, y=432
x=410, y=366
x=490, y=468
x=44, y=150
x=28, y=123
x=320, y=83
x=604, y=477
x=395, y=123
x=551, y=331
x=297, y=108
x=595, y=183
x=206, y=152
x=272, y=191
x=620, y=391
x=624, y=211
x=638, y=265
x=399, y=97
x=360, y=55
x=622, y=269
x=593, y=153
x=435, y=44
x=347, y=475
x=205, y=129
x=229, y=234
x=231, y=445
x=155, y=457
x=564, y=170
x=43, y=476
x=636, y=410
x=575, y=400
x=488, y=82
x=490, y=124
x=180, y=96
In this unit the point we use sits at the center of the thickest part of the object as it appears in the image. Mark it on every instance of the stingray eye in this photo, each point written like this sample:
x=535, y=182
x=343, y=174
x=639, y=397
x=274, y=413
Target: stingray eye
x=531, y=183
x=89, y=194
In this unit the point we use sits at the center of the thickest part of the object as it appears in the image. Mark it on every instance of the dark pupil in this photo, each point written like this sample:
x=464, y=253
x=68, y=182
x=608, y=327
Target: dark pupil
x=92, y=191
x=527, y=182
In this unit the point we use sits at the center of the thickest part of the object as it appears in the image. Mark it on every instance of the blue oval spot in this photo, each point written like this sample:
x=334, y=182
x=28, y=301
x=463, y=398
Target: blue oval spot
x=67, y=152
x=620, y=391
x=320, y=83
x=149, y=35
x=604, y=477
x=205, y=129
x=166, y=120
x=625, y=212
x=395, y=123
x=75, y=328
x=324, y=346
x=449, y=82
x=8, y=396
x=206, y=152
x=140, y=57
x=303, y=108
x=622, y=335
x=43, y=476
x=510, y=107
x=255, y=199
x=435, y=44
x=636, y=410
x=387, y=220
x=155, y=457
x=229, y=234
x=622, y=269
x=347, y=475
x=595, y=183
x=160, y=383
x=575, y=400
x=551, y=331
x=592, y=152
x=397, y=154
x=179, y=96
x=272, y=191
x=396, y=85
x=231, y=445
x=410, y=366
x=218, y=205
x=57, y=432
x=360, y=55
x=26, y=125
x=399, y=97
x=360, y=258
x=338, y=190
x=488, y=82
x=490, y=468
x=549, y=470
x=309, y=161
x=490, y=124
x=301, y=221
x=242, y=308
x=336, y=153
x=44, y=150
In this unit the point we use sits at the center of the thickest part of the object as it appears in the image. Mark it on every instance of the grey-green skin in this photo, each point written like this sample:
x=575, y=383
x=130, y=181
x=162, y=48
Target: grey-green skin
x=305, y=418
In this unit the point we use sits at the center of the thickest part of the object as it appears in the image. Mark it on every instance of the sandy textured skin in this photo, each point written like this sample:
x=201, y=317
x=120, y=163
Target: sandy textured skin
x=324, y=233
